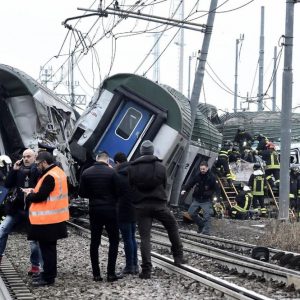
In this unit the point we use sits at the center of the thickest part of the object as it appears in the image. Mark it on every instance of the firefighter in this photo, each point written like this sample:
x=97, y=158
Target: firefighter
x=258, y=183
x=221, y=166
x=243, y=203
x=262, y=143
x=243, y=139
x=295, y=190
x=272, y=169
x=234, y=154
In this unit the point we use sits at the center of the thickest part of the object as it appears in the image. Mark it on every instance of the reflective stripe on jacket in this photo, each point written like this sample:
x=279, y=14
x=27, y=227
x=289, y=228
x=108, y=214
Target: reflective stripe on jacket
x=273, y=161
x=258, y=186
x=55, y=209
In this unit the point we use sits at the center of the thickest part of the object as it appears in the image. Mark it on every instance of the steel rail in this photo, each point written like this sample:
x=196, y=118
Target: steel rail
x=235, y=261
x=221, y=285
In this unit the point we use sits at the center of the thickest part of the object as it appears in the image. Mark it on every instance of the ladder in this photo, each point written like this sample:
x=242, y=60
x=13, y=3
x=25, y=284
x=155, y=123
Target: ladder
x=229, y=192
x=275, y=198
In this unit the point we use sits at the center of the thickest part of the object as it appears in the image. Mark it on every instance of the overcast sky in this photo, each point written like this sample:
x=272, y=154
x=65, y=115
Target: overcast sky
x=32, y=36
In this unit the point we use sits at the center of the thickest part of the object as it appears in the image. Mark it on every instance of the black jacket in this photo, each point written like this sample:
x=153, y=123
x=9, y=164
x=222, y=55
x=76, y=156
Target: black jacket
x=126, y=210
x=206, y=186
x=48, y=232
x=99, y=183
x=22, y=178
x=147, y=176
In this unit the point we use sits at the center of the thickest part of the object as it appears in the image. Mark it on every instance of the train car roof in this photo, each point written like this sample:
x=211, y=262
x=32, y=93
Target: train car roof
x=267, y=123
x=18, y=83
x=204, y=134
x=161, y=96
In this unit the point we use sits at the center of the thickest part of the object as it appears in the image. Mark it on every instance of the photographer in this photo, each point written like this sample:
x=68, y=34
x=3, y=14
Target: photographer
x=23, y=175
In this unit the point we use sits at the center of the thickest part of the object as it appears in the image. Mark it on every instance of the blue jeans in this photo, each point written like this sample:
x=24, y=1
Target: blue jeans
x=6, y=228
x=130, y=245
x=204, y=222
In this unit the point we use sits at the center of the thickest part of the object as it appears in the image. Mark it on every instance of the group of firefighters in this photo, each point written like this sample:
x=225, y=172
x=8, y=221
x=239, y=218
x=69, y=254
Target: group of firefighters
x=265, y=176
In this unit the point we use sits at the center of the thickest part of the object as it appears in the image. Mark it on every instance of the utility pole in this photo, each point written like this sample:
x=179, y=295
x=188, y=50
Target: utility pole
x=198, y=82
x=286, y=112
x=274, y=80
x=236, y=70
x=156, y=68
x=72, y=80
x=261, y=61
x=46, y=75
x=189, y=75
x=181, y=50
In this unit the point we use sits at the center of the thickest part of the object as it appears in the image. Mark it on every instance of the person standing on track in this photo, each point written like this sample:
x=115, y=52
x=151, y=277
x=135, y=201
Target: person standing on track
x=147, y=176
x=99, y=183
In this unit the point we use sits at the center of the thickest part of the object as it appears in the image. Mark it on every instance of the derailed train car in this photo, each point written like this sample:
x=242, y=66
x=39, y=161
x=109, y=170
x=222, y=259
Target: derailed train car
x=128, y=109
x=31, y=115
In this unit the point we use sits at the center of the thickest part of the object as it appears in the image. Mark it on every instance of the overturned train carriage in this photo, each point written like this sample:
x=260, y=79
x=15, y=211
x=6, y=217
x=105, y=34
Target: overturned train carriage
x=128, y=109
x=30, y=115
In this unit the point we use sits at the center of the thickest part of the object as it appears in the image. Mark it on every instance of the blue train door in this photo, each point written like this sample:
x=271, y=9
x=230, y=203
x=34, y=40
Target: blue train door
x=125, y=129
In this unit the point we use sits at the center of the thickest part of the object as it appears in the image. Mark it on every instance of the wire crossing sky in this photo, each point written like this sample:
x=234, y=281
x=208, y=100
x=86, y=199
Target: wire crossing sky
x=95, y=47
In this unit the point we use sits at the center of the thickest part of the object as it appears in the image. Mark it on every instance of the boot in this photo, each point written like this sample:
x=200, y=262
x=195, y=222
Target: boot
x=180, y=260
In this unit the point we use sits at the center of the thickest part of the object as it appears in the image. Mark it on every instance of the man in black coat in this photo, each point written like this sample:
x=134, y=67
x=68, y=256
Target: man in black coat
x=99, y=183
x=206, y=186
x=24, y=174
x=126, y=214
x=147, y=176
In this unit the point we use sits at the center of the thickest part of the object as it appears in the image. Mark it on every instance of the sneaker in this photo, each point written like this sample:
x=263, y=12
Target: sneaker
x=34, y=271
x=145, y=275
x=42, y=282
x=136, y=269
x=128, y=270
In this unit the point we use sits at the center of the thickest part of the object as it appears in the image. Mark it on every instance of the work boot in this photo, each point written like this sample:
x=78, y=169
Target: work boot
x=35, y=270
x=145, y=275
x=180, y=260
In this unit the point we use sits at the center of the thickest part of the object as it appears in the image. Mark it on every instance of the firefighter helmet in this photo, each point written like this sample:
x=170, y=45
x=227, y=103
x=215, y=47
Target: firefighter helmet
x=5, y=160
x=256, y=166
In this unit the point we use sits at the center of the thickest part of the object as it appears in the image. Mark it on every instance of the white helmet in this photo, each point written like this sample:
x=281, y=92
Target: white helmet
x=4, y=159
x=246, y=188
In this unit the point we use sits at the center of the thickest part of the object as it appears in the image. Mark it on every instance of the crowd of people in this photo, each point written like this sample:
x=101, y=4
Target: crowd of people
x=121, y=197
x=124, y=197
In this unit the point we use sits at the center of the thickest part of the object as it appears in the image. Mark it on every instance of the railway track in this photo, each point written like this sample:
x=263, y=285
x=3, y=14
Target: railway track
x=235, y=262
x=11, y=285
x=221, y=287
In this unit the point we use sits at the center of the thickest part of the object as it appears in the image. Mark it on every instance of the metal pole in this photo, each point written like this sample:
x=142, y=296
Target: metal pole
x=198, y=81
x=181, y=51
x=236, y=74
x=72, y=81
x=286, y=112
x=274, y=80
x=261, y=61
x=189, y=77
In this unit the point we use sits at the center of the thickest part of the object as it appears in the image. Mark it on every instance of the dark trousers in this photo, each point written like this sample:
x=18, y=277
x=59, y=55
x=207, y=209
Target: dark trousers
x=49, y=255
x=258, y=201
x=161, y=213
x=100, y=218
x=130, y=247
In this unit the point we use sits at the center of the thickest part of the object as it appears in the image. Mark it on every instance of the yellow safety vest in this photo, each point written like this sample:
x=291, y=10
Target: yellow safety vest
x=56, y=208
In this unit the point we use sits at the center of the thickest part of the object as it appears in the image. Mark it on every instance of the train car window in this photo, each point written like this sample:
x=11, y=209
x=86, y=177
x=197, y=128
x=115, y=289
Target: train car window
x=128, y=123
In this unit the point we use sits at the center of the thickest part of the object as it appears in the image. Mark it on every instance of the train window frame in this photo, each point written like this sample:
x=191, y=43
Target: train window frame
x=126, y=113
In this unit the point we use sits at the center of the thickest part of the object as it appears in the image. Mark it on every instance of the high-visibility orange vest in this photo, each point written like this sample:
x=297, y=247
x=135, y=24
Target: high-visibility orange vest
x=56, y=208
